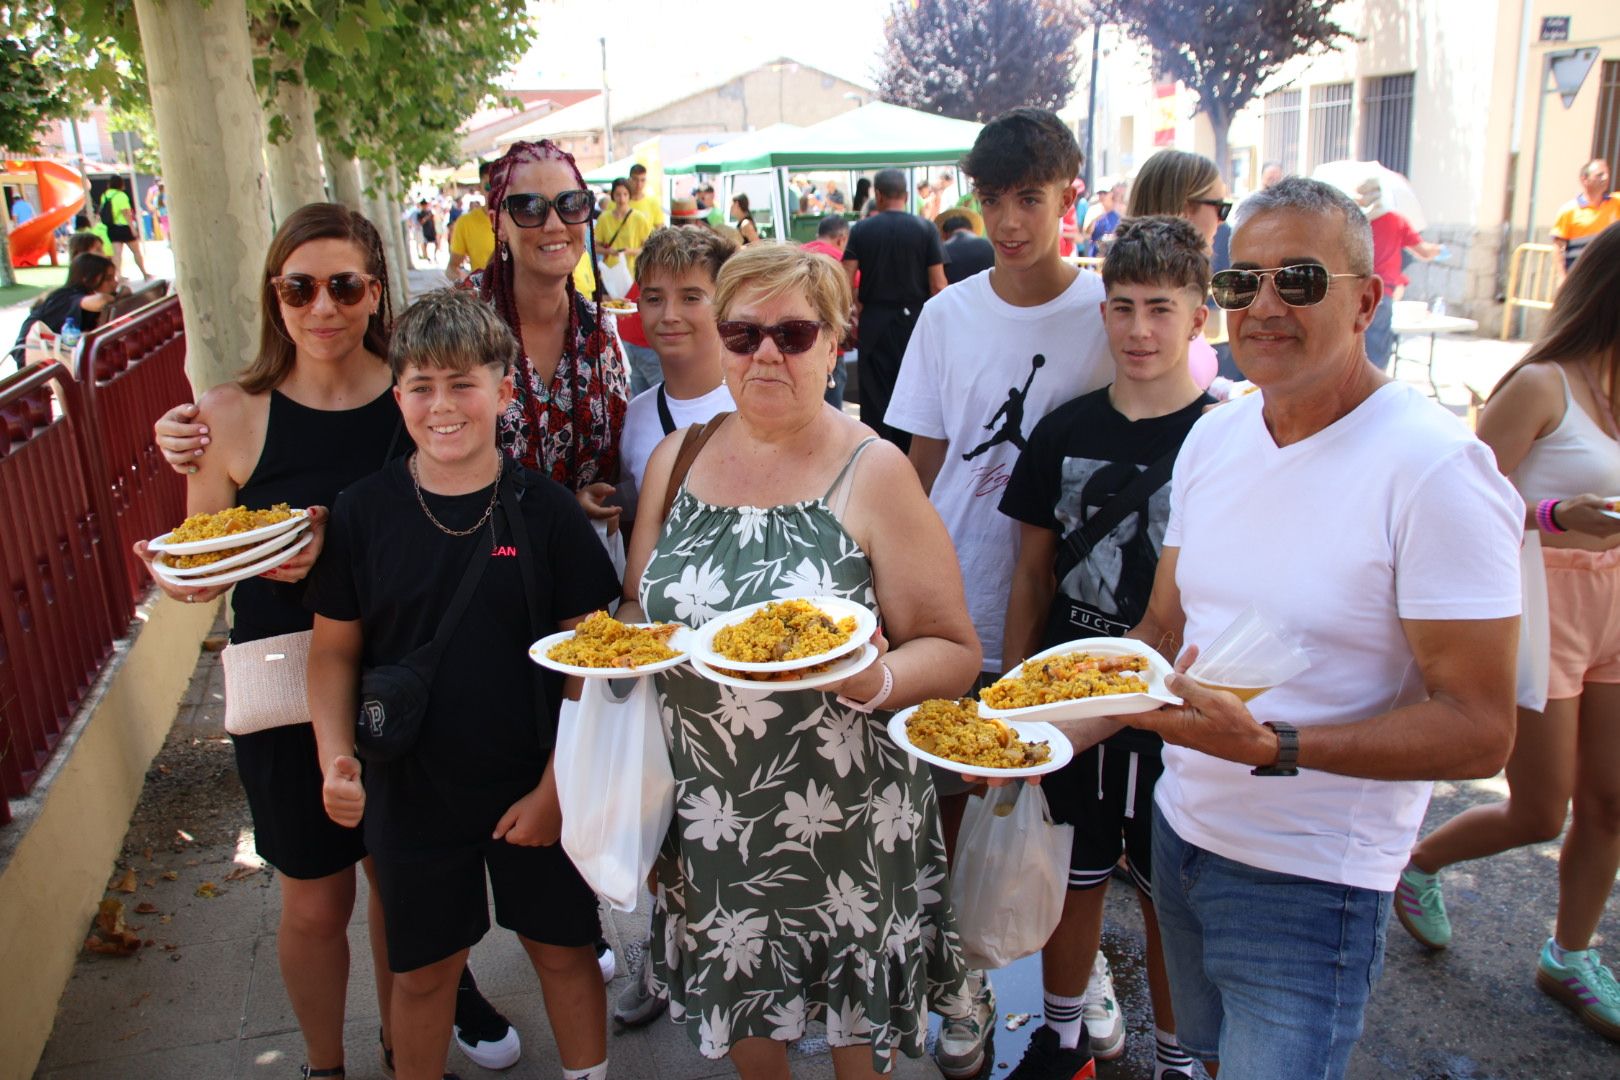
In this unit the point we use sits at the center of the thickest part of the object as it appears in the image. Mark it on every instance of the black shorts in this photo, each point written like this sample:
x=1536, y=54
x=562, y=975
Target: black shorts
x=281, y=773
x=120, y=234
x=434, y=902
x=1107, y=795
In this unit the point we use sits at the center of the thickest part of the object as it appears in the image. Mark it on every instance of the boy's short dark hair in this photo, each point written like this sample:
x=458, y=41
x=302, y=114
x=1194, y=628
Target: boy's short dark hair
x=832, y=225
x=638, y=169
x=890, y=183
x=1157, y=251
x=1021, y=146
x=83, y=242
x=674, y=250
x=451, y=330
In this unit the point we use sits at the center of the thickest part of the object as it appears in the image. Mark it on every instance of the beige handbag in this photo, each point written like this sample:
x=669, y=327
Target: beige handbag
x=266, y=683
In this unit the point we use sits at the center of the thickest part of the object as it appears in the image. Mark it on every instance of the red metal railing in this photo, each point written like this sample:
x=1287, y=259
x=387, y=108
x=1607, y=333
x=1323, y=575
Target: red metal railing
x=132, y=373
x=80, y=481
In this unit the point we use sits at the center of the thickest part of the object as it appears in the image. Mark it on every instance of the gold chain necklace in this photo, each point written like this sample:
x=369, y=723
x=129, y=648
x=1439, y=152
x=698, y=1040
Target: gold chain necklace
x=416, y=482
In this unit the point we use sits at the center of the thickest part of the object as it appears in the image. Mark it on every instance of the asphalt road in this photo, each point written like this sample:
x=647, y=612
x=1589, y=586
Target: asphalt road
x=1471, y=1012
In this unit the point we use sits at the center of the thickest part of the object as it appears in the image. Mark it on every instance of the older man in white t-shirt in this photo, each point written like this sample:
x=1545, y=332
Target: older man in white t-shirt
x=1365, y=521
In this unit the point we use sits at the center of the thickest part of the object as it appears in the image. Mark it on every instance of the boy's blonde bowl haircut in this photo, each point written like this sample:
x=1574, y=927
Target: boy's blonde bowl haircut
x=774, y=270
x=452, y=330
x=675, y=249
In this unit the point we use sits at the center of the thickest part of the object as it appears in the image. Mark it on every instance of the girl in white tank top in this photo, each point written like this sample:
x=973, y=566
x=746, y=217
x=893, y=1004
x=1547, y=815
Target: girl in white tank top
x=1552, y=422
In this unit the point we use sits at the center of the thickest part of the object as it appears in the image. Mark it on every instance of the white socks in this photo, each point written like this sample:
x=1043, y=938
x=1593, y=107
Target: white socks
x=595, y=1072
x=1168, y=1056
x=1063, y=1017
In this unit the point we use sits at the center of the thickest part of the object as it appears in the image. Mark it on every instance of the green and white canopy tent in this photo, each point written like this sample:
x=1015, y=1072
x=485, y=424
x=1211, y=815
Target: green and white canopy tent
x=877, y=135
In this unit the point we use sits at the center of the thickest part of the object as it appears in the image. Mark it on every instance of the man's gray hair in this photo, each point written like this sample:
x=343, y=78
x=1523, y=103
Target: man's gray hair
x=1308, y=196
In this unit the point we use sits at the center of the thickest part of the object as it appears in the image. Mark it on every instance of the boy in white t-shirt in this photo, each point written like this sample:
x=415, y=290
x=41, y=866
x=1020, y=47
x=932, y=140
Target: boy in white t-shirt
x=1369, y=524
x=990, y=356
x=676, y=272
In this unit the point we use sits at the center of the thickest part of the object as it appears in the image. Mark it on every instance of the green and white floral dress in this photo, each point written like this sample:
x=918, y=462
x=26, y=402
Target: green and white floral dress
x=805, y=877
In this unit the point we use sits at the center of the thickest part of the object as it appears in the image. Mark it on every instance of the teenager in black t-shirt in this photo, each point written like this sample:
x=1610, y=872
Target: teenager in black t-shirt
x=476, y=793
x=1071, y=581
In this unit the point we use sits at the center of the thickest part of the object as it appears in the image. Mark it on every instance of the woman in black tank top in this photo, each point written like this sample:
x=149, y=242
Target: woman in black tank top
x=313, y=412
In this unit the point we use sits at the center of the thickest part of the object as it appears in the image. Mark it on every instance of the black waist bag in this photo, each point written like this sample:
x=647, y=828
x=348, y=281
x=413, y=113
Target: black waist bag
x=394, y=697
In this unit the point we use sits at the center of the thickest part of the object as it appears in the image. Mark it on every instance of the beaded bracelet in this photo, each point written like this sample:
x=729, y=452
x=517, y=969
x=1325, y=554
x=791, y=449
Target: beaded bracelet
x=1545, y=519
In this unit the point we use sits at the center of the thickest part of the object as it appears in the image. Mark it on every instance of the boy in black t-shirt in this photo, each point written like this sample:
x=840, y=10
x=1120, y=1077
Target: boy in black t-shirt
x=1092, y=495
x=476, y=792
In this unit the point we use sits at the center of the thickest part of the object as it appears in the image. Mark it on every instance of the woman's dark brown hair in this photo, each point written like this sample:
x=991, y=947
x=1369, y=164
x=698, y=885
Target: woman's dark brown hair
x=317, y=221
x=1585, y=317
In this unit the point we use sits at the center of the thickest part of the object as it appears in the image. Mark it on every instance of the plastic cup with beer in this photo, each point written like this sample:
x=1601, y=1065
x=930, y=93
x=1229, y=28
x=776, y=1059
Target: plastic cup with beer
x=1249, y=657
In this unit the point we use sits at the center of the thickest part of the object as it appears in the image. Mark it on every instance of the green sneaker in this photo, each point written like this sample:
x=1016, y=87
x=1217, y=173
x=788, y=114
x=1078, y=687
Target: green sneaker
x=1585, y=985
x=1421, y=908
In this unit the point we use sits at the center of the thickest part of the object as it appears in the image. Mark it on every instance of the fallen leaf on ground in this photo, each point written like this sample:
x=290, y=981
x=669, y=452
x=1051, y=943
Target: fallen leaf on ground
x=169, y=875
x=148, y=853
x=193, y=862
x=115, y=938
x=165, y=919
x=146, y=907
x=241, y=872
x=127, y=883
x=208, y=890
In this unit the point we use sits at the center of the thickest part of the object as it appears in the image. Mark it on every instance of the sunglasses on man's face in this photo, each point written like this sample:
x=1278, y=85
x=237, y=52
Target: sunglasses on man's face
x=530, y=211
x=792, y=337
x=300, y=290
x=1300, y=285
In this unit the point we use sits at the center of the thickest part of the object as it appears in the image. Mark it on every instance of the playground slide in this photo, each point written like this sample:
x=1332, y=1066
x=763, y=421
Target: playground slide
x=61, y=195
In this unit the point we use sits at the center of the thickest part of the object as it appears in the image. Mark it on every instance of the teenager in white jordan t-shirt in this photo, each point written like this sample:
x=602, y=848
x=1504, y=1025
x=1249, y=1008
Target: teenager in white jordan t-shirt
x=993, y=354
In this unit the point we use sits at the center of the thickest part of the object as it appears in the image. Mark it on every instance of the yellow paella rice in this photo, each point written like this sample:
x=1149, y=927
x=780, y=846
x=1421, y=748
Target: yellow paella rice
x=783, y=630
x=237, y=519
x=1066, y=677
x=601, y=641
x=954, y=730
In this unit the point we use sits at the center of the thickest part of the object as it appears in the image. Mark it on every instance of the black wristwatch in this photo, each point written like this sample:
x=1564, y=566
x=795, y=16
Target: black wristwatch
x=1287, y=763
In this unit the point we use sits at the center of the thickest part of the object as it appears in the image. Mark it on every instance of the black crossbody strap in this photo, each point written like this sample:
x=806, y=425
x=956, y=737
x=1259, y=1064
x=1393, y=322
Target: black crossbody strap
x=1074, y=547
x=665, y=417
x=531, y=590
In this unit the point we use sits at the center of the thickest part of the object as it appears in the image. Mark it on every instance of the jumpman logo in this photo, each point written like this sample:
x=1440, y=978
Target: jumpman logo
x=1011, y=414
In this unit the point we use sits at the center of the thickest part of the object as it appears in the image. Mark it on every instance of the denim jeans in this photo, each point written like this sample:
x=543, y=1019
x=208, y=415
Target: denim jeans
x=1270, y=973
x=645, y=372
x=1380, y=337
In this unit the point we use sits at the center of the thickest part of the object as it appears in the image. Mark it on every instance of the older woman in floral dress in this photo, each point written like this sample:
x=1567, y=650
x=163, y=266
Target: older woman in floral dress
x=805, y=877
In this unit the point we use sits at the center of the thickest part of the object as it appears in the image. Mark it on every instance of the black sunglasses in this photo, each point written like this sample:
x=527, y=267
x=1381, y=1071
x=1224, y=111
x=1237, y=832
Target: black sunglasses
x=1300, y=285
x=300, y=290
x=1222, y=207
x=791, y=337
x=530, y=211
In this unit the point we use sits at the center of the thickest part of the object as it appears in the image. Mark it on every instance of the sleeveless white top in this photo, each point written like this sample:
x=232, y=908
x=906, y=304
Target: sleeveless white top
x=1576, y=458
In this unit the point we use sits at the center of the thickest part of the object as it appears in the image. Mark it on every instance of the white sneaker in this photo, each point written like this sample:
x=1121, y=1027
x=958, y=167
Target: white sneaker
x=607, y=962
x=1105, y=1024
x=966, y=1044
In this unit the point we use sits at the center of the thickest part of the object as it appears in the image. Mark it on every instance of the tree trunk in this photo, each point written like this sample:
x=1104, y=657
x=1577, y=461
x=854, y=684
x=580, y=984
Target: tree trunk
x=377, y=208
x=199, y=66
x=402, y=234
x=1220, y=121
x=295, y=162
x=342, y=169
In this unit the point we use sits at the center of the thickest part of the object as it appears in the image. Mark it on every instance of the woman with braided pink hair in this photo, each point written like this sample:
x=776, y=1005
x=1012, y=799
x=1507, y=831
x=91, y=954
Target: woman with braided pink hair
x=572, y=389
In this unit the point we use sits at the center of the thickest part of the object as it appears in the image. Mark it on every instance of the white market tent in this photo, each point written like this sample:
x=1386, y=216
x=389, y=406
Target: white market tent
x=606, y=174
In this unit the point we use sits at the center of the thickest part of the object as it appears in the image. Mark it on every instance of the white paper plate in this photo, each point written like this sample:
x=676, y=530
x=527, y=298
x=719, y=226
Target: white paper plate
x=240, y=573
x=840, y=671
x=835, y=606
x=680, y=641
x=1612, y=501
x=1031, y=730
x=220, y=543
x=253, y=554
x=1157, y=671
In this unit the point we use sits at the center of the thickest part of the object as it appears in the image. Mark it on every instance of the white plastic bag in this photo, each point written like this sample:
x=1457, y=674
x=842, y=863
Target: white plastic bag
x=616, y=279
x=1535, y=632
x=616, y=787
x=1010, y=876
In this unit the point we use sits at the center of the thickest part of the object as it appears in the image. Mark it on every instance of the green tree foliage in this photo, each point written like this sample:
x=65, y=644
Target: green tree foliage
x=973, y=59
x=1226, y=51
x=54, y=60
x=394, y=77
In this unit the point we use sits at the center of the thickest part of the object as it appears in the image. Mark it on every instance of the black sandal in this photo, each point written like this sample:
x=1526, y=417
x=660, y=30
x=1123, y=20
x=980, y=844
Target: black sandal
x=312, y=1074
x=388, y=1060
